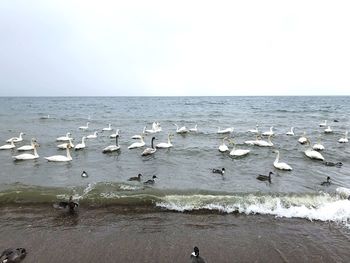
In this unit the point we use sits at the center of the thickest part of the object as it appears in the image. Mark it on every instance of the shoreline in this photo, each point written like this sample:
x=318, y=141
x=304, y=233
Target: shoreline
x=121, y=234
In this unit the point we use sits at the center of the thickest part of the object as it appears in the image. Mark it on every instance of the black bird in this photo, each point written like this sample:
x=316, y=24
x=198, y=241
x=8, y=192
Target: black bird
x=135, y=178
x=338, y=164
x=13, y=255
x=218, y=171
x=336, y=121
x=151, y=181
x=262, y=177
x=84, y=174
x=195, y=258
x=70, y=205
x=327, y=183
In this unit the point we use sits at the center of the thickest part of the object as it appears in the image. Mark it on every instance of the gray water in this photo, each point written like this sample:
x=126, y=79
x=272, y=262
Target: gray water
x=185, y=168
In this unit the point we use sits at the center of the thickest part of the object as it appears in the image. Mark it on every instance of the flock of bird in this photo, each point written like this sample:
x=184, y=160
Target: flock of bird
x=313, y=152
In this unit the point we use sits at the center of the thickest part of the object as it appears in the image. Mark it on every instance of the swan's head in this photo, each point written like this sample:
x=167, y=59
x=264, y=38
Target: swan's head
x=21, y=133
x=275, y=151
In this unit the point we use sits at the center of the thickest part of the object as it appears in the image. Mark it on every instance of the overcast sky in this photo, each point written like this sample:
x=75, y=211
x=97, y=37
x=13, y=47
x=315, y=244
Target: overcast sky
x=121, y=48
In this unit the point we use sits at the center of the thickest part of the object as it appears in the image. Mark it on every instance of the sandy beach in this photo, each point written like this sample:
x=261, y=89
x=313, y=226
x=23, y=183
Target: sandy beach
x=124, y=234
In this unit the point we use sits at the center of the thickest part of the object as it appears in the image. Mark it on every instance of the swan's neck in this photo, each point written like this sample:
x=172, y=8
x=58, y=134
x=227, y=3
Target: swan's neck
x=142, y=141
x=346, y=135
x=67, y=134
x=169, y=142
x=269, y=140
x=152, y=144
x=177, y=127
x=35, y=152
x=116, y=141
x=83, y=140
x=13, y=144
x=20, y=136
x=292, y=130
x=277, y=157
x=68, y=154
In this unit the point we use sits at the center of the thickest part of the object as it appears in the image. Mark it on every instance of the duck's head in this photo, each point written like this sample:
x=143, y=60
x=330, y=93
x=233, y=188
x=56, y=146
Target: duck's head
x=153, y=177
x=195, y=251
x=271, y=173
x=139, y=175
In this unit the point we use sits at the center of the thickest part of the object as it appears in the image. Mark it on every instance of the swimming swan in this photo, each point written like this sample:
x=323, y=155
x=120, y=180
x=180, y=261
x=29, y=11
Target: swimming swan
x=81, y=145
x=16, y=139
x=223, y=147
x=113, y=135
x=291, y=132
x=195, y=129
x=328, y=130
x=139, y=144
x=64, y=145
x=183, y=129
x=269, y=133
x=92, y=136
x=164, y=144
x=318, y=146
x=237, y=152
x=149, y=151
x=135, y=137
x=112, y=148
x=345, y=139
x=323, y=124
x=263, y=143
x=109, y=128
x=8, y=146
x=312, y=153
x=27, y=156
x=227, y=130
x=84, y=127
x=255, y=131
x=64, y=138
x=303, y=139
x=60, y=158
x=281, y=166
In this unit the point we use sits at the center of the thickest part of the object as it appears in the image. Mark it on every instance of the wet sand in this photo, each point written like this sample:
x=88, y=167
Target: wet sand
x=124, y=234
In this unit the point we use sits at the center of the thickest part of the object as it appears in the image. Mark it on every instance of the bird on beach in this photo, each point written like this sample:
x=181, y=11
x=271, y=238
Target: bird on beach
x=135, y=178
x=218, y=171
x=195, y=258
x=151, y=181
x=327, y=183
x=71, y=206
x=262, y=177
x=13, y=255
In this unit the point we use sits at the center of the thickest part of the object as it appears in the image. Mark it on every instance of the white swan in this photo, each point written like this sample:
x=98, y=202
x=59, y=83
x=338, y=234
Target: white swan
x=135, y=137
x=16, y=139
x=328, y=130
x=81, y=145
x=237, y=152
x=323, y=124
x=84, y=127
x=223, y=147
x=64, y=138
x=112, y=148
x=109, y=128
x=227, y=130
x=253, y=142
x=139, y=144
x=64, y=145
x=303, y=139
x=27, y=156
x=155, y=128
x=183, y=129
x=312, y=153
x=291, y=132
x=8, y=146
x=345, y=139
x=149, y=151
x=268, y=133
x=281, y=166
x=263, y=143
x=27, y=147
x=113, y=135
x=318, y=146
x=195, y=129
x=164, y=144
x=60, y=158
x=255, y=131
x=92, y=136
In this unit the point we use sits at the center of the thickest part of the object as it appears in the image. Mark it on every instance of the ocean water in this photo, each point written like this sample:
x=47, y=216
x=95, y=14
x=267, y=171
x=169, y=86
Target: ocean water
x=185, y=180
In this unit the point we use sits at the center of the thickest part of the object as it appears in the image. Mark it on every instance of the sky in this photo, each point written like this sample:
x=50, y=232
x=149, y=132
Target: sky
x=174, y=48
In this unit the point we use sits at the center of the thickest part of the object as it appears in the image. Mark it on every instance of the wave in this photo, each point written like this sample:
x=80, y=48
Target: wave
x=316, y=206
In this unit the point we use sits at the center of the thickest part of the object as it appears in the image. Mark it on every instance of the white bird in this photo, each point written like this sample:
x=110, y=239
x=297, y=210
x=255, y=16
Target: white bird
x=60, y=158
x=149, y=151
x=223, y=147
x=27, y=156
x=64, y=138
x=84, y=127
x=27, y=147
x=263, y=143
x=183, y=129
x=227, y=130
x=328, y=130
x=291, y=132
x=113, y=135
x=303, y=139
x=253, y=142
x=65, y=145
x=139, y=144
x=112, y=148
x=109, y=128
x=164, y=144
x=281, y=166
x=323, y=124
x=345, y=139
x=45, y=117
x=238, y=152
x=155, y=128
x=16, y=139
x=8, y=146
x=268, y=133
x=255, y=131
x=312, y=153
x=92, y=136
x=318, y=146
x=81, y=145
x=139, y=136
x=194, y=129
